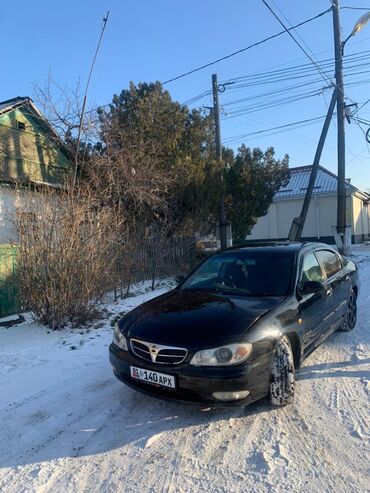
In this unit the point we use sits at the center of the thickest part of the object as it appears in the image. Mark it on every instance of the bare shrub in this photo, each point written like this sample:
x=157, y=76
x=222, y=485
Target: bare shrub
x=62, y=106
x=67, y=257
x=129, y=178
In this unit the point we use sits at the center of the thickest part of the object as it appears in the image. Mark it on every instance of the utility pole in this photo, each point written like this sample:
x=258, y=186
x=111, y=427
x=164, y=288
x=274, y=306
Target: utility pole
x=296, y=229
x=341, y=205
x=216, y=114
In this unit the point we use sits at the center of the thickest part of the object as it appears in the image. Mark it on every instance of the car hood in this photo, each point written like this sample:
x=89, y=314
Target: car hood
x=193, y=318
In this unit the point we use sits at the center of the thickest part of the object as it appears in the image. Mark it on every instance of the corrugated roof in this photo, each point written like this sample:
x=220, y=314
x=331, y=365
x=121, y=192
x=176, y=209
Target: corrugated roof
x=326, y=182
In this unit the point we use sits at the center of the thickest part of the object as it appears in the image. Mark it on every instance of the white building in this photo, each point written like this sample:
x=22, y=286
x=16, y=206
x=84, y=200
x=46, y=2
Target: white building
x=322, y=213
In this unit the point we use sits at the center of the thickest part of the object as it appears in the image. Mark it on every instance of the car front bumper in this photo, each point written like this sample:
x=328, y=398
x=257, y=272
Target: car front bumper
x=197, y=384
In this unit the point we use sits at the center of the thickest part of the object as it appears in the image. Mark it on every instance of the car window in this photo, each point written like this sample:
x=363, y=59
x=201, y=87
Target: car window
x=249, y=273
x=330, y=261
x=311, y=270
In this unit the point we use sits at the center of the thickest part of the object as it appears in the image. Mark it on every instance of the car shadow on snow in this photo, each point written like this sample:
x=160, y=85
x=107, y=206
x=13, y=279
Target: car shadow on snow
x=335, y=369
x=124, y=417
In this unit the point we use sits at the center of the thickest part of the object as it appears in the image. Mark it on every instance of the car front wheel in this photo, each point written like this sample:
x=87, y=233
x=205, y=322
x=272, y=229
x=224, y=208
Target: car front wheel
x=281, y=391
x=351, y=315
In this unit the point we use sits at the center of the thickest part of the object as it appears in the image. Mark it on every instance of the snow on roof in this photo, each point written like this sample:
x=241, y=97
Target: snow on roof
x=326, y=182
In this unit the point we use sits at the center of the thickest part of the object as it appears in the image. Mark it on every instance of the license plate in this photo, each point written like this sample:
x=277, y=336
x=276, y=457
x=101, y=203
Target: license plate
x=153, y=377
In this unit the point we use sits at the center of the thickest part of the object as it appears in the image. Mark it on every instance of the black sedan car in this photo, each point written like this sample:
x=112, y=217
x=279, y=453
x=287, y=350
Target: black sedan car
x=235, y=329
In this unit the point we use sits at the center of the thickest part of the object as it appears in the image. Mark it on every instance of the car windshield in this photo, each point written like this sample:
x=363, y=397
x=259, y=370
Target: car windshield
x=245, y=273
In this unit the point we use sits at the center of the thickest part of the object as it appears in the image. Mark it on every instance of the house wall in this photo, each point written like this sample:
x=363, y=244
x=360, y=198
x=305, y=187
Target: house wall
x=32, y=153
x=360, y=219
x=322, y=215
x=14, y=201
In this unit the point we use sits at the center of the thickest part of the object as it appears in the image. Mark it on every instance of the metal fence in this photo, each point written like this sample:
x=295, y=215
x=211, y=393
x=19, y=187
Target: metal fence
x=154, y=260
x=9, y=298
x=151, y=260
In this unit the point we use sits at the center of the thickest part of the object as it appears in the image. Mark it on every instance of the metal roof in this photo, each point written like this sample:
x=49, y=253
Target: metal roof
x=326, y=182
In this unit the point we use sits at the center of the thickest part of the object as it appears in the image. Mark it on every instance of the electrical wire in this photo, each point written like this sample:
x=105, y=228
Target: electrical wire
x=242, y=50
x=356, y=8
x=295, y=31
x=360, y=108
x=323, y=74
x=313, y=85
x=299, y=70
x=276, y=98
x=273, y=104
x=304, y=73
x=280, y=127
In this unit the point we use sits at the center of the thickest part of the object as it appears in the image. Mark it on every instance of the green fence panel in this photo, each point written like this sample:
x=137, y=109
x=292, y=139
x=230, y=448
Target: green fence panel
x=9, y=298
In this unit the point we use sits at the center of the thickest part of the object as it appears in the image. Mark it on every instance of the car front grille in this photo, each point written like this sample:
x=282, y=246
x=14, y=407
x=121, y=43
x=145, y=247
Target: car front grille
x=157, y=353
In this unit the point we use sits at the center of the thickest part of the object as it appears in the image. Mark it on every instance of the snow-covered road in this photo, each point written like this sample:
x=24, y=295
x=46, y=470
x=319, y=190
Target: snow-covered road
x=67, y=425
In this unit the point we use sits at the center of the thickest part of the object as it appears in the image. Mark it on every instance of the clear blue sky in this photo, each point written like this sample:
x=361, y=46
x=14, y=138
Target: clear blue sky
x=156, y=40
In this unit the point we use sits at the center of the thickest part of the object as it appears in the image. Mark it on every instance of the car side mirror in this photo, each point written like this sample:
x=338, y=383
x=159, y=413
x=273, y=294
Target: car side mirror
x=179, y=279
x=311, y=287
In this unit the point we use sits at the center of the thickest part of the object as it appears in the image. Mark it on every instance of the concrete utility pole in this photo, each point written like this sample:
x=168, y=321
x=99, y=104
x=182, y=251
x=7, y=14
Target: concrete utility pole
x=341, y=206
x=296, y=229
x=216, y=114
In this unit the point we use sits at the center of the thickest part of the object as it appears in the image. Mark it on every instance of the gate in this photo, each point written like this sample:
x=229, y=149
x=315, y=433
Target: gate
x=9, y=299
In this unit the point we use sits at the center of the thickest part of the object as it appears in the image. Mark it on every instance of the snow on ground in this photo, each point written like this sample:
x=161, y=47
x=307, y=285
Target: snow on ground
x=67, y=425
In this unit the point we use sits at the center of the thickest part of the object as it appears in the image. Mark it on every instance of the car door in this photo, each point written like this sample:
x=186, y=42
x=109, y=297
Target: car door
x=337, y=280
x=314, y=309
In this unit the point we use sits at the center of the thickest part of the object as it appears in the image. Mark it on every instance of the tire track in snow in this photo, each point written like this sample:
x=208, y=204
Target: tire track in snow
x=356, y=418
x=177, y=464
x=15, y=433
x=341, y=400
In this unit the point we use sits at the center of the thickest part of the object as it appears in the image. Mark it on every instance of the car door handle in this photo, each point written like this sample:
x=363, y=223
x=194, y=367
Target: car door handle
x=329, y=292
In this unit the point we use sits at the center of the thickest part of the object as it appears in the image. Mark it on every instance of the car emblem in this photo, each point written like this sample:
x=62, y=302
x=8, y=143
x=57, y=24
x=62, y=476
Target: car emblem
x=153, y=352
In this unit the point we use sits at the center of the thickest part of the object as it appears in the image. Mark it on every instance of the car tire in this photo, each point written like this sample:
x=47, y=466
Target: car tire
x=282, y=378
x=350, y=320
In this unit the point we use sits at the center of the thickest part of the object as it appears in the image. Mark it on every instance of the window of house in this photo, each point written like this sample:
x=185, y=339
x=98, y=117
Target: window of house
x=311, y=270
x=21, y=125
x=330, y=262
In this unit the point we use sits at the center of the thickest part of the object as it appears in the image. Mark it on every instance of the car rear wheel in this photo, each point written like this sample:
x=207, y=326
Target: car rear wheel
x=281, y=391
x=351, y=315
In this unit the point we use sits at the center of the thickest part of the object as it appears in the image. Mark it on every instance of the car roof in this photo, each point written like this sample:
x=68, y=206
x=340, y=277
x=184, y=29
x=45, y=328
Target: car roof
x=277, y=247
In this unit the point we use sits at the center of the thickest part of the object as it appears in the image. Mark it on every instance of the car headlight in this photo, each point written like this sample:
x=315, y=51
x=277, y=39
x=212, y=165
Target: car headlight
x=118, y=338
x=231, y=354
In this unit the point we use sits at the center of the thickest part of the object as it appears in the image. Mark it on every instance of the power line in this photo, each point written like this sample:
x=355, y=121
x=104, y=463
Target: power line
x=280, y=127
x=291, y=25
x=253, y=45
x=313, y=86
x=273, y=104
x=323, y=74
x=345, y=57
x=294, y=95
x=356, y=8
x=360, y=108
x=300, y=69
